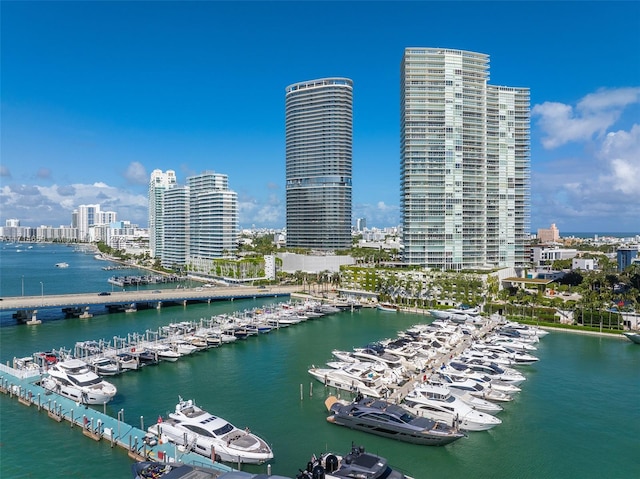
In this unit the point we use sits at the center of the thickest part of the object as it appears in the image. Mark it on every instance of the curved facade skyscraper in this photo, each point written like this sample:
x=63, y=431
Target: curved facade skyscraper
x=319, y=130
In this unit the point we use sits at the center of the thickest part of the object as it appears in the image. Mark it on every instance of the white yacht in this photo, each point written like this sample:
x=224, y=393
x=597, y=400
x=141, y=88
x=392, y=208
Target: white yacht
x=211, y=436
x=355, y=377
x=437, y=403
x=164, y=352
x=74, y=379
x=104, y=366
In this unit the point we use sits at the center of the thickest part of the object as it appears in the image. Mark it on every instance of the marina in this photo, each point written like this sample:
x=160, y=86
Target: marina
x=263, y=383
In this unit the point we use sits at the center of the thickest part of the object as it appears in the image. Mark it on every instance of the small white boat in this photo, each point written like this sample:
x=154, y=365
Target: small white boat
x=391, y=308
x=164, y=352
x=62, y=265
x=104, y=366
x=211, y=436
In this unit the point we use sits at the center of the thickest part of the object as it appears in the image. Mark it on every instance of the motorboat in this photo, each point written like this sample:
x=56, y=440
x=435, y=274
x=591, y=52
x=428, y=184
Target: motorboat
x=633, y=336
x=437, y=403
x=164, y=352
x=73, y=378
x=476, y=402
x=355, y=377
x=62, y=265
x=211, y=436
x=475, y=388
x=388, y=307
x=495, y=371
x=356, y=464
x=386, y=419
x=461, y=371
x=104, y=366
x=176, y=470
x=128, y=361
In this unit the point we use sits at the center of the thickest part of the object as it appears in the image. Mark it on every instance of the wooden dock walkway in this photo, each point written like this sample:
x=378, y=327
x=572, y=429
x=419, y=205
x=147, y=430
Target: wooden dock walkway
x=434, y=364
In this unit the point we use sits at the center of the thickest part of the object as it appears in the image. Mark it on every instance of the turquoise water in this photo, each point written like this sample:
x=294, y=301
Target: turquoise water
x=577, y=416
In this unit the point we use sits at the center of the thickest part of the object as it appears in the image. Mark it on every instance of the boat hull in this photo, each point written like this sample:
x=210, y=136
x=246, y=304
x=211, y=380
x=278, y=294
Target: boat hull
x=633, y=336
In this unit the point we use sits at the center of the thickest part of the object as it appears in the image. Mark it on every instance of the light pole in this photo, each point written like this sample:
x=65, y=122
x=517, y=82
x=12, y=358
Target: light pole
x=42, y=292
x=23, y=285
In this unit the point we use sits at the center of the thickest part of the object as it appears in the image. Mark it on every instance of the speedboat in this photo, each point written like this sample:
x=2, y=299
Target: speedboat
x=437, y=403
x=389, y=420
x=104, y=366
x=211, y=436
x=633, y=336
x=164, y=352
x=475, y=388
x=128, y=361
x=357, y=463
x=74, y=379
x=354, y=377
x=389, y=307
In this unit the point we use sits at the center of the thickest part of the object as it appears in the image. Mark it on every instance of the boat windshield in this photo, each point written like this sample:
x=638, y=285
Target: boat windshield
x=223, y=430
x=90, y=382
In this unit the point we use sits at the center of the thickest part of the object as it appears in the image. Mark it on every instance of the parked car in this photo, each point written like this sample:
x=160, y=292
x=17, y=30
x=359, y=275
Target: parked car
x=104, y=293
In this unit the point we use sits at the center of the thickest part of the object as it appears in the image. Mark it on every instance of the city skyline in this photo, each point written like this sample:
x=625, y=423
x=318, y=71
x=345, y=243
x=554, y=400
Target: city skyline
x=96, y=95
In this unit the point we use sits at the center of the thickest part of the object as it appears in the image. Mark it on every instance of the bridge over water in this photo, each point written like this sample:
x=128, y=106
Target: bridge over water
x=26, y=307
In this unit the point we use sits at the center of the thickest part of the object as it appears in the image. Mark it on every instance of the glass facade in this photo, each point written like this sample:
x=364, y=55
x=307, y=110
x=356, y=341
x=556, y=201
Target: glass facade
x=464, y=165
x=158, y=183
x=319, y=130
x=213, y=217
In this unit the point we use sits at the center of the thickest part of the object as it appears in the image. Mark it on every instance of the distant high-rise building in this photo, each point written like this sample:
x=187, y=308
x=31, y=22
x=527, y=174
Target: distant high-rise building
x=319, y=130
x=159, y=182
x=549, y=235
x=87, y=216
x=361, y=223
x=213, y=216
x=465, y=163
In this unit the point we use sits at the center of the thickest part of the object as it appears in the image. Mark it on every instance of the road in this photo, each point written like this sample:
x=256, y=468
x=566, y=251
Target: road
x=15, y=303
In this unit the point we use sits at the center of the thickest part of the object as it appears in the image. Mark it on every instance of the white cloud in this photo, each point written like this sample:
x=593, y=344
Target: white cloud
x=594, y=114
x=53, y=205
x=136, y=173
x=597, y=188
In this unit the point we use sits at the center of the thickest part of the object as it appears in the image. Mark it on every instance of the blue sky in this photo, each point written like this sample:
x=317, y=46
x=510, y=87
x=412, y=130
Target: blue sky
x=95, y=95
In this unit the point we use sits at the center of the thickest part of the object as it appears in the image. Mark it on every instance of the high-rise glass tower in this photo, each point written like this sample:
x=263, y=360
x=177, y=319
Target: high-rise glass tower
x=158, y=183
x=175, y=226
x=465, y=162
x=213, y=217
x=319, y=130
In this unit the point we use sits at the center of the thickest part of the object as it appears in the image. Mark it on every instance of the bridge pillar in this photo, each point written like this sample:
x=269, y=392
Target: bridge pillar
x=159, y=305
x=34, y=319
x=184, y=303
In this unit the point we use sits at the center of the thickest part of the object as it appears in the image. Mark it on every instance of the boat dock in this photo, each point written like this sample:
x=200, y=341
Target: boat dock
x=401, y=392
x=97, y=425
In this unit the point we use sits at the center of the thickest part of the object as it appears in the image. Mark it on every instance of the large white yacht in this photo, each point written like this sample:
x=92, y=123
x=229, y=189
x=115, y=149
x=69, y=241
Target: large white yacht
x=74, y=379
x=211, y=436
x=437, y=403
